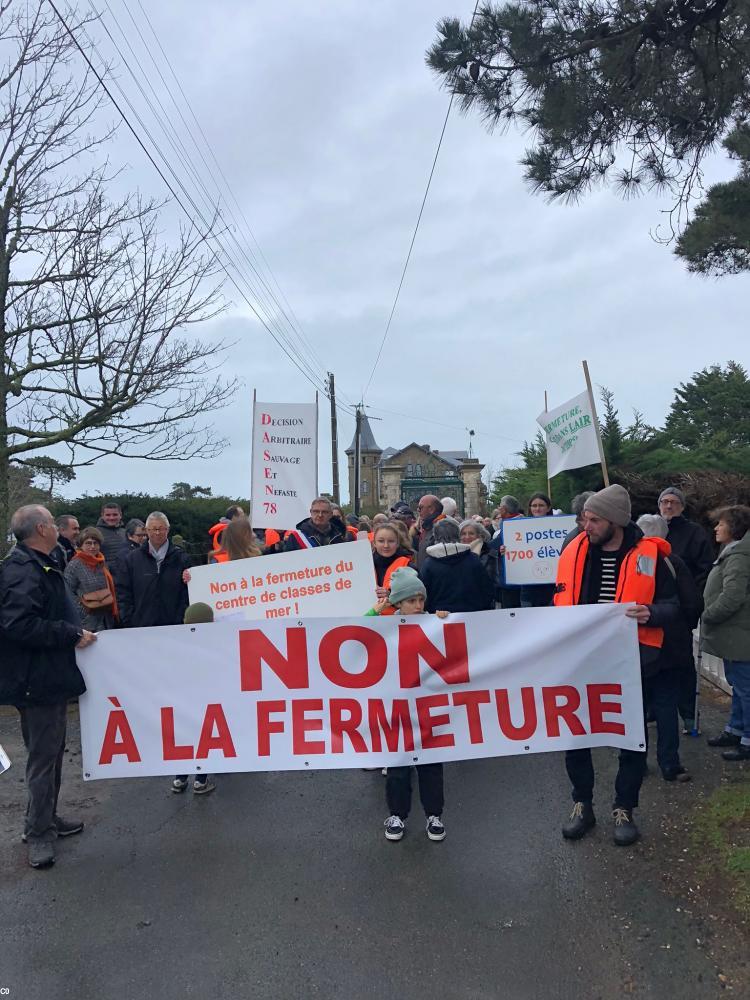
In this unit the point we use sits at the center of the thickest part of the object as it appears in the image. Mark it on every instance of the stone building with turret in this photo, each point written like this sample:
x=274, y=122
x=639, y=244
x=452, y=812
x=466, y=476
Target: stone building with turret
x=391, y=474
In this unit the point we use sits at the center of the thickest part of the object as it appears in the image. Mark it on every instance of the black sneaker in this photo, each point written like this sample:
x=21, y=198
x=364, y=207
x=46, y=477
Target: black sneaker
x=41, y=853
x=203, y=787
x=179, y=785
x=67, y=827
x=394, y=828
x=625, y=831
x=435, y=828
x=725, y=739
x=742, y=752
x=679, y=774
x=581, y=820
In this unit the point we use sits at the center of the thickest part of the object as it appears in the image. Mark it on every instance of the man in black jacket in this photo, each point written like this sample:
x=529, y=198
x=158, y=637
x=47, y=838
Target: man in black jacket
x=320, y=528
x=151, y=588
x=39, y=633
x=68, y=531
x=113, y=533
x=690, y=543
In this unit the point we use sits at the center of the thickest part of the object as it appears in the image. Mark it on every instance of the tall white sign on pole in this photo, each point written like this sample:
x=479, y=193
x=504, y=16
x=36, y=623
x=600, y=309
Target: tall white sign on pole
x=284, y=463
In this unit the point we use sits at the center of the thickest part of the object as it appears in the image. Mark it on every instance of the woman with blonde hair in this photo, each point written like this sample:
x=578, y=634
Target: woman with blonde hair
x=389, y=553
x=238, y=540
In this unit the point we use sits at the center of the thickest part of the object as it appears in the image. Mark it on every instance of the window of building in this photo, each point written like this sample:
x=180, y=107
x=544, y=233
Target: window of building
x=418, y=471
x=409, y=471
x=365, y=487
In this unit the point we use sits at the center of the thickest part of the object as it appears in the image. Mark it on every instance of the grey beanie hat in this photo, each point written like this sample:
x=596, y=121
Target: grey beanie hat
x=611, y=503
x=653, y=525
x=405, y=583
x=674, y=492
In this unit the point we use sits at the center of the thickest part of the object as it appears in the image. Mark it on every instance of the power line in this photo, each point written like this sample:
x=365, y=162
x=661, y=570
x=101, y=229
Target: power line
x=414, y=236
x=206, y=236
x=438, y=423
x=216, y=162
x=267, y=299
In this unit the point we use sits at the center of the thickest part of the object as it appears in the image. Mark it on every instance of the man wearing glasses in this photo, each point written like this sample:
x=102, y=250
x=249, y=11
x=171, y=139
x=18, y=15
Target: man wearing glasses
x=39, y=633
x=320, y=528
x=691, y=543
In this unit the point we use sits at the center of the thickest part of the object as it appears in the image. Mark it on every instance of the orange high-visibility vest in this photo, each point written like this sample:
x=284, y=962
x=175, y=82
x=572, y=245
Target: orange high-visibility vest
x=216, y=532
x=272, y=537
x=636, y=581
x=396, y=564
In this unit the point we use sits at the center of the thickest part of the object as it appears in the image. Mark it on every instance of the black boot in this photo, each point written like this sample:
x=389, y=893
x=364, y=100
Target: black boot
x=724, y=740
x=625, y=831
x=742, y=752
x=581, y=820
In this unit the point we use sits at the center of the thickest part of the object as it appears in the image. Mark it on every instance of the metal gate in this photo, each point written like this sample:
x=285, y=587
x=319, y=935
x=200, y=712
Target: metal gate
x=440, y=486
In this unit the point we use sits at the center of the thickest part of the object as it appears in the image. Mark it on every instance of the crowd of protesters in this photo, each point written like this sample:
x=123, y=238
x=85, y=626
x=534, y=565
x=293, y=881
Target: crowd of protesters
x=61, y=585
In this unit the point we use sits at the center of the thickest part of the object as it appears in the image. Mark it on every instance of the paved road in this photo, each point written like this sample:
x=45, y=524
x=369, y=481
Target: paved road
x=282, y=886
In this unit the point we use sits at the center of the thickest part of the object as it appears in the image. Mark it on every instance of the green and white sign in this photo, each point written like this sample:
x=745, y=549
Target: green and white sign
x=571, y=435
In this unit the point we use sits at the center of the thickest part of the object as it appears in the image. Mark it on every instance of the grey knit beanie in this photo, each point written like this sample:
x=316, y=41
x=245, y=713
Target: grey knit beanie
x=405, y=583
x=674, y=492
x=611, y=503
x=653, y=525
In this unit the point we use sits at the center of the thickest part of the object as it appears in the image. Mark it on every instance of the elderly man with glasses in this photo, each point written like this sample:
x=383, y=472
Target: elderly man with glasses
x=690, y=542
x=151, y=588
x=320, y=528
x=39, y=633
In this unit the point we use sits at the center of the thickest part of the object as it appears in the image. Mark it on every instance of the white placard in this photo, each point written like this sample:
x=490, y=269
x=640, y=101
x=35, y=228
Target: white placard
x=310, y=583
x=4, y=760
x=532, y=548
x=363, y=692
x=284, y=463
x=570, y=431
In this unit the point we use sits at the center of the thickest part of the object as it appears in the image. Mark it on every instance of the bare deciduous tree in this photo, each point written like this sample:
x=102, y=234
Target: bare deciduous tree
x=92, y=304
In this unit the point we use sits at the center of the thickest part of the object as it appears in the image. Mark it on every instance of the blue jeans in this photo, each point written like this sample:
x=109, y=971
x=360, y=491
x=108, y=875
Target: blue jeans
x=737, y=673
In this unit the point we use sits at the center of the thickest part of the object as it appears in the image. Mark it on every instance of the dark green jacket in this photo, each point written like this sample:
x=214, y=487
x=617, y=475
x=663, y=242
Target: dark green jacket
x=726, y=618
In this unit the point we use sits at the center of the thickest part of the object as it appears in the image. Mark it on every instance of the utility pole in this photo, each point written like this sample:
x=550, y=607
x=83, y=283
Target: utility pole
x=334, y=439
x=357, y=439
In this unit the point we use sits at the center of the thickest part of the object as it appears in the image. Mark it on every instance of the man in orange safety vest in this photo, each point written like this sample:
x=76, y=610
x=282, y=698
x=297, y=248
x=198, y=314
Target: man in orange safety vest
x=611, y=561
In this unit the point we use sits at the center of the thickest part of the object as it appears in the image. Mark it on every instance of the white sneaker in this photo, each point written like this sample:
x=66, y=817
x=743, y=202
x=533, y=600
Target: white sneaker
x=394, y=828
x=435, y=828
x=179, y=785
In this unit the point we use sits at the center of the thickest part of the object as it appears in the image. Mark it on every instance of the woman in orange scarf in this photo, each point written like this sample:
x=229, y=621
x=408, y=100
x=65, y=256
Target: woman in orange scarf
x=91, y=583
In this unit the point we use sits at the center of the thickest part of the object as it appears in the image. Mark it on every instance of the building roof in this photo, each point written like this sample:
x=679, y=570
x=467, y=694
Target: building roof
x=454, y=457
x=366, y=438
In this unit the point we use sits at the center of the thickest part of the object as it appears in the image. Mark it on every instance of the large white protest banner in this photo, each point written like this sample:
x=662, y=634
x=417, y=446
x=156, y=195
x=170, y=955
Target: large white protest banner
x=284, y=462
x=366, y=692
x=308, y=583
x=571, y=434
x=532, y=548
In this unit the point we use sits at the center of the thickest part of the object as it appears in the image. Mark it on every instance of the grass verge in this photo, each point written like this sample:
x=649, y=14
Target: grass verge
x=722, y=835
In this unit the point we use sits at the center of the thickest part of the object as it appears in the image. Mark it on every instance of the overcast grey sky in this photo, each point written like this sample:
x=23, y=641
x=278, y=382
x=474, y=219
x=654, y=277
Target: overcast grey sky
x=325, y=119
